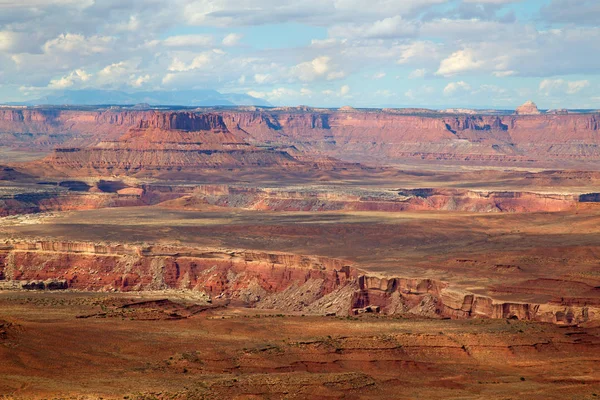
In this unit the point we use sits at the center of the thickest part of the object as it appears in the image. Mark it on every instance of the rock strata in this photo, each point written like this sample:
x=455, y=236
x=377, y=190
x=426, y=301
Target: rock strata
x=527, y=108
x=279, y=281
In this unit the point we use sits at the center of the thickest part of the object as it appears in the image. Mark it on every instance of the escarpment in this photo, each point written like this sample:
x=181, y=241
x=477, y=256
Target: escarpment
x=368, y=136
x=306, y=199
x=273, y=280
x=169, y=141
x=79, y=195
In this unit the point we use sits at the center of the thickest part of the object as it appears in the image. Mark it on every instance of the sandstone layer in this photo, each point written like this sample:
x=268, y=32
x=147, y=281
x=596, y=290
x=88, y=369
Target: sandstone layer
x=275, y=281
x=528, y=108
x=364, y=136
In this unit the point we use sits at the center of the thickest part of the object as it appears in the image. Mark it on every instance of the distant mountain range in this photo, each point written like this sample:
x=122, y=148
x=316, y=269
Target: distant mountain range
x=190, y=98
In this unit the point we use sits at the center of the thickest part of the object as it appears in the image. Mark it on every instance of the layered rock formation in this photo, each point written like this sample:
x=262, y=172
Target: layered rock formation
x=267, y=280
x=167, y=141
x=365, y=136
x=528, y=108
x=306, y=199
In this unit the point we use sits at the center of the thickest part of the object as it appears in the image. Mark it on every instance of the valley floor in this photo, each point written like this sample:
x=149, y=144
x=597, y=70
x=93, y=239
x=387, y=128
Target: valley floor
x=140, y=346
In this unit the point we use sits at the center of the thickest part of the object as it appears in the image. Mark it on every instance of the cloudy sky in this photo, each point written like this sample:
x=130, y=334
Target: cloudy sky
x=365, y=53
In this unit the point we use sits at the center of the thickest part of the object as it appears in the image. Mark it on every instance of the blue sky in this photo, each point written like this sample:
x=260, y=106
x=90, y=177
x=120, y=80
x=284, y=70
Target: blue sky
x=364, y=53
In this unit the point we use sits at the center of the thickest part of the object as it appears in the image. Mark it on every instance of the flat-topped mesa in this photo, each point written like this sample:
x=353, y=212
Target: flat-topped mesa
x=366, y=136
x=528, y=108
x=186, y=121
x=185, y=142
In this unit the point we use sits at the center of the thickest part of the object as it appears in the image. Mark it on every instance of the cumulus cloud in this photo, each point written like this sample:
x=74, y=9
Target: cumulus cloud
x=456, y=88
x=417, y=73
x=67, y=81
x=419, y=52
x=318, y=68
x=326, y=43
x=262, y=78
x=131, y=44
x=561, y=86
x=313, y=12
x=187, y=41
x=391, y=27
x=459, y=62
x=274, y=95
x=76, y=43
x=232, y=39
x=17, y=42
x=139, y=81
x=197, y=62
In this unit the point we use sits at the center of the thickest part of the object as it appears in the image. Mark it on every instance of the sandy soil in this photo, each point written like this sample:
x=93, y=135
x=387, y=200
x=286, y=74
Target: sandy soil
x=48, y=352
x=518, y=257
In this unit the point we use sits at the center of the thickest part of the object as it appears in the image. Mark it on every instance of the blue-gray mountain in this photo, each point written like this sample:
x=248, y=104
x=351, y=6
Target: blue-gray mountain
x=191, y=98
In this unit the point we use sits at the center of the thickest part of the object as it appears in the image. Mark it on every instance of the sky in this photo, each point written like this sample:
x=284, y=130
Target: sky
x=362, y=53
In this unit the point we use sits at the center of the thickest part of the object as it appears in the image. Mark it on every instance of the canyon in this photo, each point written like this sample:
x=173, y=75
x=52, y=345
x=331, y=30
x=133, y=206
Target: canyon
x=290, y=252
x=366, y=136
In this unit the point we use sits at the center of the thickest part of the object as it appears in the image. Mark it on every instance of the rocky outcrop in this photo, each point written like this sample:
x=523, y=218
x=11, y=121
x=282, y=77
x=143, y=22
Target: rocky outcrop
x=275, y=199
x=167, y=141
x=267, y=280
x=528, y=108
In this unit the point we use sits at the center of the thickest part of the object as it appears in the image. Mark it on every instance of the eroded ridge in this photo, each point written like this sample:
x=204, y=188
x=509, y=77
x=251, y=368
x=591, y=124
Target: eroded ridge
x=270, y=280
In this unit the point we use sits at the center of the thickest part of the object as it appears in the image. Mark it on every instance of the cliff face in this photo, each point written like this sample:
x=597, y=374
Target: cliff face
x=389, y=201
x=167, y=141
x=363, y=136
x=268, y=280
x=189, y=197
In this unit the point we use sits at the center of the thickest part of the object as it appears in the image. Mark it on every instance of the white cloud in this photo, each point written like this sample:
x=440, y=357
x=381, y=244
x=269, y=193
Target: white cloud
x=379, y=75
x=138, y=81
x=344, y=90
x=14, y=42
x=417, y=73
x=459, y=62
x=67, y=81
x=576, y=86
x=319, y=67
x=325, y=43
x=456, y=87
x=419, y=53
x=76, y=43
x=232, y=39
x=262, y=78
x=561, y=86
x=391, y=27
x=116, y=69
x=188, y=41
x=197, y=62
x=226, y=13
x=503, y=74
x=130, y=43
x=274, y=95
